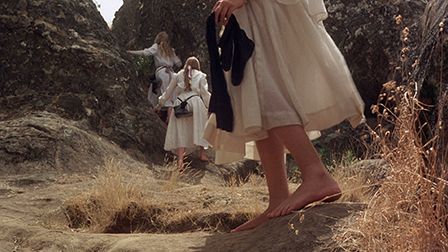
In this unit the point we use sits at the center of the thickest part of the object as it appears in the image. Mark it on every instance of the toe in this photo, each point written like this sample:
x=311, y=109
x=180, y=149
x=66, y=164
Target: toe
x=274, y=213
x=281, y=211
x=285, y=211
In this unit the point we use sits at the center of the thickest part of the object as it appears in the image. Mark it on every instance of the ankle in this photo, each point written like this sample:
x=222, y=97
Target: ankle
x=274, y=202
x=317, y=175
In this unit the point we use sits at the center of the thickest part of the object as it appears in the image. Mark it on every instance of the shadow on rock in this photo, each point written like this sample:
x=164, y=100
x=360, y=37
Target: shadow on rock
x=303, y=231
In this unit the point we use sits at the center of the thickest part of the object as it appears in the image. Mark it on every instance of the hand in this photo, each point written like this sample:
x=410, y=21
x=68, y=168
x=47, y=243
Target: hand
x=223, y=9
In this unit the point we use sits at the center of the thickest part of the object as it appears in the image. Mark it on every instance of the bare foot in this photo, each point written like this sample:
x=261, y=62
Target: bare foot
x=262, y=218
x=324, y=188
x=204, y=158
x=257, y=221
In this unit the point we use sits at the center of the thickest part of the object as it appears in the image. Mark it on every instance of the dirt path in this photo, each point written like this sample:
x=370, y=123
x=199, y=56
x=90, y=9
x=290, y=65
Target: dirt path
x=31, y=220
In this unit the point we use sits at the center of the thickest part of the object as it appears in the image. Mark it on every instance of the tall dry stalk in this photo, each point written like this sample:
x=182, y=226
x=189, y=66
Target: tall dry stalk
x=410, y=210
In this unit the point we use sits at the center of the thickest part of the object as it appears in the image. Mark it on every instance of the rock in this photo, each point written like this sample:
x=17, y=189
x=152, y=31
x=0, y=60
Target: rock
x=138, y=22
x=431, y=75
x=46, y=142
x=308, y=230
x=368, y=36
x=60, y=57
x=375, y=170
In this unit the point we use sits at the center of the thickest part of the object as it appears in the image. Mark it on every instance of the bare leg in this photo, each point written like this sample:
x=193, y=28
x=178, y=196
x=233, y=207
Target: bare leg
x=168, y=111
x=180, y=158
x=317, y=183
x=202, y=154
x=272, y=159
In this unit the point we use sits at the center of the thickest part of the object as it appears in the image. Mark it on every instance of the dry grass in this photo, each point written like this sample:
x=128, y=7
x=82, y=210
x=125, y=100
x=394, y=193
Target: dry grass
x=355, y=186
x=115, y=204
x=409, y=211
x=175, y=175
x=97, y=208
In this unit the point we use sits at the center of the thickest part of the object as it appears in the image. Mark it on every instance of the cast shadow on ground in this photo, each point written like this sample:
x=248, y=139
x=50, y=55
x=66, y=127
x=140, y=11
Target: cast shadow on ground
x=307, y=230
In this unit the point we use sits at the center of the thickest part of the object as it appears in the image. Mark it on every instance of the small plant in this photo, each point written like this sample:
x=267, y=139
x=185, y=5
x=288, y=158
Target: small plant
x=96, y=209
x=144, y=66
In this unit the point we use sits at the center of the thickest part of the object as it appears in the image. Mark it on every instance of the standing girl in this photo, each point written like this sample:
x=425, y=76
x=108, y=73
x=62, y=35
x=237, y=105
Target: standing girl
x=164, y=59
x=185, y=133
x=296, y=81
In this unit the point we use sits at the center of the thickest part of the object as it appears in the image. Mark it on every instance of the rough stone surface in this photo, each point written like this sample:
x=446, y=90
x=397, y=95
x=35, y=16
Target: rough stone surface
x=364, y=30
x=59, y=56
x=431, y=75
x=367, y=35
x=45, y=142
x=138, y=22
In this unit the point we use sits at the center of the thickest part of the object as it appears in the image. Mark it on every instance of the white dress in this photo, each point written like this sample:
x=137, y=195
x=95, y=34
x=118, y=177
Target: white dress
x=296, y=76
x=187, y=131
x=164, y=72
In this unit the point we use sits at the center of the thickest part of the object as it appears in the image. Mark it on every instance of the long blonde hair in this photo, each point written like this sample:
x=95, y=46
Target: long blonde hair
x=163, y=40
x=190, y=64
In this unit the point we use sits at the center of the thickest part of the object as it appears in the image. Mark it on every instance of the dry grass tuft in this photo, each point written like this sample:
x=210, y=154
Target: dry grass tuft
x=354, y=185
x=115, y=204
x=409, y=211
x=97, y=208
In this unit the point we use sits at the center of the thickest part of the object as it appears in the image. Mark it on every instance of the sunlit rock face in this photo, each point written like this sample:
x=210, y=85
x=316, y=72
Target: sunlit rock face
x=364, y=30
x=434, y=41
x=369, y=37
x=138, y=21
x=431, y=73
x=60, y=56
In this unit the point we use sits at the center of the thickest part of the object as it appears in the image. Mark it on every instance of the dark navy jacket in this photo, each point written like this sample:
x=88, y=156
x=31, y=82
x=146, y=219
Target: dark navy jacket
x=236, y=49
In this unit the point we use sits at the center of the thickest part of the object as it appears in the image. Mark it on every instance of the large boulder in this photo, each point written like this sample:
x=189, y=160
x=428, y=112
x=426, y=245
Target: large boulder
x=430, y=73
x=45, y=142
x=138, y=21
x=364, y=30
x=367, y=34
x=59, y=56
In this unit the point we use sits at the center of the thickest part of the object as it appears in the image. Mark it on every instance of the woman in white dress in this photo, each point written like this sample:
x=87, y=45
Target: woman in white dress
x=185, y=133
x=165, y=59
x=296, y=81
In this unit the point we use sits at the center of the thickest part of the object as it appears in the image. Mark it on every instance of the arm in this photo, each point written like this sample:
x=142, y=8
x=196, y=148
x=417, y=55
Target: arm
x=169, y=91
x=145, y=52
x=204, y=93
x=141, y=53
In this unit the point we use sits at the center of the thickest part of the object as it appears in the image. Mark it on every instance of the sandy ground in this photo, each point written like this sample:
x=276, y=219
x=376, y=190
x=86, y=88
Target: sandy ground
x=31, y=218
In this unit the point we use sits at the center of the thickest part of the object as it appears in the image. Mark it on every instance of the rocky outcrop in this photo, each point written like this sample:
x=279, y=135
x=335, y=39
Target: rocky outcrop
x=430, y=73
x=138, y=21
x=60, y=57
x=367, y=34
x=364, y=30
x=45, y=142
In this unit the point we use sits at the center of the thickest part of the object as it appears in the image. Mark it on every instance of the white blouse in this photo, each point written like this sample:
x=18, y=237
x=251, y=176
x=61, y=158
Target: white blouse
x=159, y=60
x=199, y=86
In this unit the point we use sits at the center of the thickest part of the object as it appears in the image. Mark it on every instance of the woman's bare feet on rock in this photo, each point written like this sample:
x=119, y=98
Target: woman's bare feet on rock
x=204, y=158
x=325, y=189
x=257, y=221
x=203, y=155
x=262, y=218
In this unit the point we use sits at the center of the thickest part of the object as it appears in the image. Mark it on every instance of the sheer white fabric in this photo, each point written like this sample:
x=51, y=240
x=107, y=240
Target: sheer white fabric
x=297, y=76
x=164, y=71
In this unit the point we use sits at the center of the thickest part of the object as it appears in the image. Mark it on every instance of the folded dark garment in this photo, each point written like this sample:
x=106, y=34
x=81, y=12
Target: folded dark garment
x=236, y=50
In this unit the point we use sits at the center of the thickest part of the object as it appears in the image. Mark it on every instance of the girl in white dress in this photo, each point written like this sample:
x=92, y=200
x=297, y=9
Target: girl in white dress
x=296, y=81
x=165, y=59
x=185, y=133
